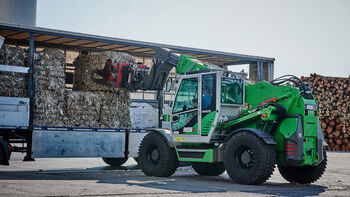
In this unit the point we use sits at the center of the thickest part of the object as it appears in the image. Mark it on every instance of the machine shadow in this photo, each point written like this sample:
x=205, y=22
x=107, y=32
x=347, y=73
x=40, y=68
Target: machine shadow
x=184, y=180
x=205, y=184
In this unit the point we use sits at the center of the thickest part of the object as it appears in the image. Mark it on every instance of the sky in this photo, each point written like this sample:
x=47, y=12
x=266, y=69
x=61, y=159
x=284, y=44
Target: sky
x=304, y=36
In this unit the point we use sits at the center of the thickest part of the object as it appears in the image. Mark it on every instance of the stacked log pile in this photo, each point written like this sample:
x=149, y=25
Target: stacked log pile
x=50, y=90
x=332, y=95
x=13, y=84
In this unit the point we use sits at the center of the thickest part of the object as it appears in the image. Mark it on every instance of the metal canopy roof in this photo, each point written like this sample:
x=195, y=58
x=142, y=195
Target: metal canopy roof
x=44, y=37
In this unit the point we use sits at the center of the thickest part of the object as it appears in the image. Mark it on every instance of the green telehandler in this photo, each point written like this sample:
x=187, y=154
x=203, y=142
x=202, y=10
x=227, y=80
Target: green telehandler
x=221, y=122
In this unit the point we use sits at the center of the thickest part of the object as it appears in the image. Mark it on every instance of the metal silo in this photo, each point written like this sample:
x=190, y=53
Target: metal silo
x=18, y=11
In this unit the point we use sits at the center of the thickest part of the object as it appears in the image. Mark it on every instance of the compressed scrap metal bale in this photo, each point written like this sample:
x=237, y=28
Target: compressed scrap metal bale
x=13, y=84
x=13, y=56
x=82, y=109
x=118, y=57
x=115, y=110
x=87, y=67
x=97, y=109
x=50, y=91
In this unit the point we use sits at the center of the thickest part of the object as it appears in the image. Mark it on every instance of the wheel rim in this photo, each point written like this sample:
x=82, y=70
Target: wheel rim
x=244, y=158
x=153, y=155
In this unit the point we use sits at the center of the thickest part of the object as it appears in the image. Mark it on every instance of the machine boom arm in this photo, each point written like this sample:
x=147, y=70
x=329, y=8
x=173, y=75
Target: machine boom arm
x=164, y=60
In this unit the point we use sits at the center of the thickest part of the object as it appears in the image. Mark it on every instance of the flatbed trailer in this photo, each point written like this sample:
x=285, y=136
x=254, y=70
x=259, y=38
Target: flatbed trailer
x=46, y=141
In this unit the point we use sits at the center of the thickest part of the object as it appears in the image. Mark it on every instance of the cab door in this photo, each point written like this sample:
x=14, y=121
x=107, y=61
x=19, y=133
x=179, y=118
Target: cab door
x=184, y=119
x=208, y=103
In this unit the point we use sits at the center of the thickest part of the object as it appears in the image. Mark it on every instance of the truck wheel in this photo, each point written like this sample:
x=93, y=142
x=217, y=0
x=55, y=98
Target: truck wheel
x=115, y=162
x=248, y=160
x=4, y=155
x=156, y=158
x=304, y=174
x=208, y=169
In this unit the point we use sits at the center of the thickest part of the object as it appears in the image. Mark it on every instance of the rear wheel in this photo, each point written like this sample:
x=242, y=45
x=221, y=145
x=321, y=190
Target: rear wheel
x=304, y=174
x=156, y=158
x=115, y=162
x=248, y=160
x=4, y=153
x=208, y=169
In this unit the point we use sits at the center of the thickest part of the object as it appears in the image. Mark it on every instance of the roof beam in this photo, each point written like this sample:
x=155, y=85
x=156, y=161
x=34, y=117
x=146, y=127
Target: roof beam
x=140, y=44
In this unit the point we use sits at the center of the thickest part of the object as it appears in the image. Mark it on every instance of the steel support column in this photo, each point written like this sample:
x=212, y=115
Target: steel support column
x=31, y=95
x=270, y=71
x=160, y=107
x=260, y=71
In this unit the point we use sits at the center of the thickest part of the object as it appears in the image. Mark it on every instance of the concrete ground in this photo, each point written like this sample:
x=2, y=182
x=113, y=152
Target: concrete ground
x=92, y=177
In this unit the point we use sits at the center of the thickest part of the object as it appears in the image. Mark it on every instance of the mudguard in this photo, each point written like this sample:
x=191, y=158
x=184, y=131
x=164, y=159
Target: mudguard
x=166, y=133
x=320, y=142
x=266, y=137
x=6, y=157
x=296, y=140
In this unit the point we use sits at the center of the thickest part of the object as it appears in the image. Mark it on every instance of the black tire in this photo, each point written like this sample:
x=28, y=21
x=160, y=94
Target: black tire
x=304, y=174
x=2, y=156
x=115, y=162
x=208, y=169
x=156, y=158
x=248, y=160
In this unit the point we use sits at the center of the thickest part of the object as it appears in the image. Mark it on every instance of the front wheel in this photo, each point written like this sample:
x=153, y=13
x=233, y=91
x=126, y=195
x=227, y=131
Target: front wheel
x=156, y=158
x=115, y=162
x=248, y=160
x=304, y=174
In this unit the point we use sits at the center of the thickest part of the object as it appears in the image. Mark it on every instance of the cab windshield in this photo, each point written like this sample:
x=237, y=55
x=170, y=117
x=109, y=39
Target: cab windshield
x=231, y=91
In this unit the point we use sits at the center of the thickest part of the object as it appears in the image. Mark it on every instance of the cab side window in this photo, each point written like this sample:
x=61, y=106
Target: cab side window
x=187, y=97
x=208, y=92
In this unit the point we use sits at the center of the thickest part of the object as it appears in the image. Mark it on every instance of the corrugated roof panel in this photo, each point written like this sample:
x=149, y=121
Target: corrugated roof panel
x=24, y=35
x=125, y=48
x=79, y=42
x=142, y=50
x=110, y=46
x=95, y=44
x=44, y=37
x=40, y=38
x=60, y=40
x=5, y=32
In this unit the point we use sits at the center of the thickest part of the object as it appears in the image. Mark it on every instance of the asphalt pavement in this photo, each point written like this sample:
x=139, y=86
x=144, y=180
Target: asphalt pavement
x=92, y=177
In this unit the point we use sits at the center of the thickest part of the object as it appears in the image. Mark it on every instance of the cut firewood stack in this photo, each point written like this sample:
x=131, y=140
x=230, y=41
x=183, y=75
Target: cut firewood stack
x=332, y=95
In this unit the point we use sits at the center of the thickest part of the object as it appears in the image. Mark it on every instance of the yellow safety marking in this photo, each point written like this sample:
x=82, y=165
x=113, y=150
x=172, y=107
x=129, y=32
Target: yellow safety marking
x=180, y=139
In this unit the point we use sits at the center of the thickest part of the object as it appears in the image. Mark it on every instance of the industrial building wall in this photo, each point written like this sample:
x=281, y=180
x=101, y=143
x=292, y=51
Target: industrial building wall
x=18, y=11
